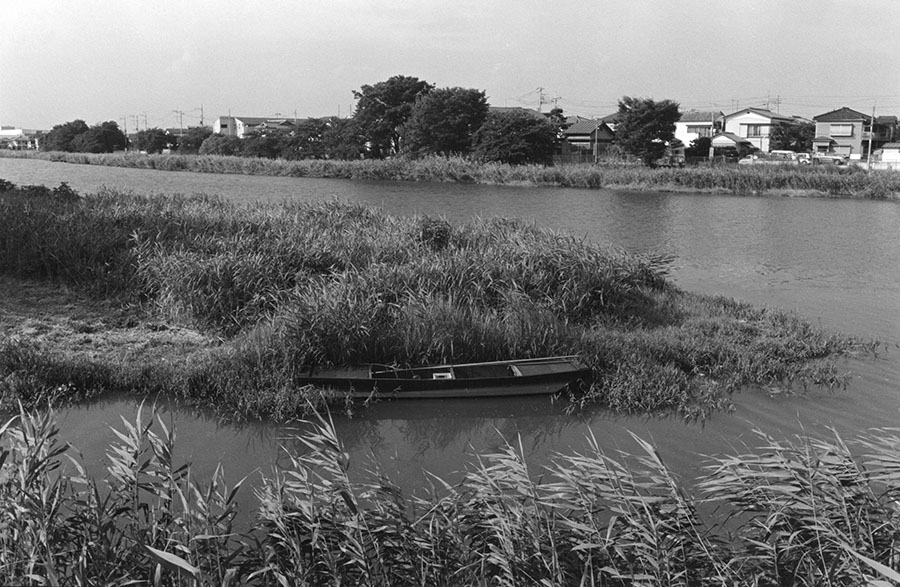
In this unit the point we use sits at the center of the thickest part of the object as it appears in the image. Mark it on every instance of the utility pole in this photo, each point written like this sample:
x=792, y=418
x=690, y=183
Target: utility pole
x=180, y=114
x=871, y=134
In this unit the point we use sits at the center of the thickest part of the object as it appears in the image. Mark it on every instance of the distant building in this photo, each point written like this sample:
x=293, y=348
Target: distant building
x=755, y=125
x=695, y=124
x=240, y=126
x=585, y=141
x=19, y=139
x=847, y=132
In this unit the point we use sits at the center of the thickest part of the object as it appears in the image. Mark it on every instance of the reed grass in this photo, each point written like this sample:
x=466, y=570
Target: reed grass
x=802, y=512
x=825, y=180
x=286, y=286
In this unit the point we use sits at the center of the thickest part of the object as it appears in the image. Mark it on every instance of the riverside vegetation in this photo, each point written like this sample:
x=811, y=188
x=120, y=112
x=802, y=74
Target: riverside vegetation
x=268, y=288
x=781, y=180
x=787, y=513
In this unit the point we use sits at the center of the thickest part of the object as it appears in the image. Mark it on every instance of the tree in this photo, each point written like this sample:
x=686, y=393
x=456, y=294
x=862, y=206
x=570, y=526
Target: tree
x=794, y=137
x=644, y=127
x=101, y=138
x=444, y=121
x=383, y=108
x=515, y=137
x=152, y=140
x=61, y=136
x=192, y=138
x=699, y=147
x=219, y=144
x=268, y=144
x=343, y=139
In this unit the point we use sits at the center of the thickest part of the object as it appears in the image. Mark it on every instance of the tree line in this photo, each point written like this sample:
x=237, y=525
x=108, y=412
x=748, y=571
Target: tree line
x=404, y=116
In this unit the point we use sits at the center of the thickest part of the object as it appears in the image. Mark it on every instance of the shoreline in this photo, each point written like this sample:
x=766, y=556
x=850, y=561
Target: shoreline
x=775, y=181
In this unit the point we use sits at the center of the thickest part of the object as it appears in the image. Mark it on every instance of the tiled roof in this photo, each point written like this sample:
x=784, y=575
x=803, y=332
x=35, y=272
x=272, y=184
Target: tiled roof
x=891, y=146
x=586, y=127
x=841, y=115
x=700, y=116
x=729, y=137
x=762, y=112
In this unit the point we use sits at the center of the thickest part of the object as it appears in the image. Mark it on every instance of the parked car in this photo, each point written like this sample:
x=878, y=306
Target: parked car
x=804, y=158
x=772, y=158
x=830, y=158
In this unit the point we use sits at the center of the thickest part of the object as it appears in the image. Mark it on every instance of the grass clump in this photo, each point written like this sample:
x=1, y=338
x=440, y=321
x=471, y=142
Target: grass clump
x=788, y=513
x=268, y=290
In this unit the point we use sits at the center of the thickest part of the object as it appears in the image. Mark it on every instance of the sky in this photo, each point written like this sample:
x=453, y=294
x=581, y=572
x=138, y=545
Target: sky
x=166, y=63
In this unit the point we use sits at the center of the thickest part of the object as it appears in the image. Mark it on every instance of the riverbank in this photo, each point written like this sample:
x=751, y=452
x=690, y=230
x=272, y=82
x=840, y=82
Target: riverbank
x=775, y=180
x=223, y=304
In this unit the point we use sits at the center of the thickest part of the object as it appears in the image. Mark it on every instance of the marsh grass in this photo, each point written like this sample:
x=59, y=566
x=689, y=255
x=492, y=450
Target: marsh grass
x=288, y=286
x=789, y=513
x=831, y=181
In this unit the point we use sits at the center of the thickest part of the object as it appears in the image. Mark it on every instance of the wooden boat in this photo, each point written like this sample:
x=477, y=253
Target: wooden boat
x=545, y=375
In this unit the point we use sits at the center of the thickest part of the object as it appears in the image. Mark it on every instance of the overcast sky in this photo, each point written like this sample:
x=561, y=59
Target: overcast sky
x=143, y=61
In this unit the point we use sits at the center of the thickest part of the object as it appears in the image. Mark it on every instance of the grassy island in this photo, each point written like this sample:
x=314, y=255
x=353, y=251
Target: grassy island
x=776, y=180
x=217, y=304
x=222, y=305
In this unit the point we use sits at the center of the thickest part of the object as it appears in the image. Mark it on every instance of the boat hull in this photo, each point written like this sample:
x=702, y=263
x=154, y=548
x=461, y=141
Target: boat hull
x=361, y=385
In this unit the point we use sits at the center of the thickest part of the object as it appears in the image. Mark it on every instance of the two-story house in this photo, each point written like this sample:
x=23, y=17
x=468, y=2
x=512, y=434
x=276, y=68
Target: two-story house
x=695, y=124
x=755, y=125
x=850, y=133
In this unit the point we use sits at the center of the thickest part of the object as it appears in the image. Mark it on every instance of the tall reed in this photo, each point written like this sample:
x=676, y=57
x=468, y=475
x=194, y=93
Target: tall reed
x=788, y=513
x=813, y=180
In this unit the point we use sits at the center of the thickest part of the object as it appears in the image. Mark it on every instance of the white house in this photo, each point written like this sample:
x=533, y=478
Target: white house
x=240, y=126
x=12, y=137
x=755, y=125
x=695, y=124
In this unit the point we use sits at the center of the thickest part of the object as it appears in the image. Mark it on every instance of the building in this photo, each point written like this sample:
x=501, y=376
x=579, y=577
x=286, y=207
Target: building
x=695, y=124
x=585, y=141
x=850, y=133
x=755, y=125
x=241, y=126
x=19, y=139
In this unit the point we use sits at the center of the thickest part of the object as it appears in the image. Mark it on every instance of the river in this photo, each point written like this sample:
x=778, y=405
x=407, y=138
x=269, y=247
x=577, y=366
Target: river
x=834, y=261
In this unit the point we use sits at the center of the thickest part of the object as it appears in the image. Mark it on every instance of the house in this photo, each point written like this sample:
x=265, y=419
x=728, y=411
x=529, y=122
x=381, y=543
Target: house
x=18, y=139
x=755, y=125
x=731, y=146
x=585, y=141
x=847, y=132
x=695, y=124
x=241, y=126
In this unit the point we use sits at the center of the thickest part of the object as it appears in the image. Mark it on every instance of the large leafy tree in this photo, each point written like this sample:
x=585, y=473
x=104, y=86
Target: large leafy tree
x=62, y=136
x=383, y=108
x=105, y=137
x=343, y=139
x=645, y=126
x=444, y=121
x=515, y=137
x=219, y=144
x=189, y=142
x=152, y=140
x=793, y=137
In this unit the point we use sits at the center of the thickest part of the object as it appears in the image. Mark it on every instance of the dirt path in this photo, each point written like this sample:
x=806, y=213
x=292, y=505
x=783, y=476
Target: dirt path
x=56, y=317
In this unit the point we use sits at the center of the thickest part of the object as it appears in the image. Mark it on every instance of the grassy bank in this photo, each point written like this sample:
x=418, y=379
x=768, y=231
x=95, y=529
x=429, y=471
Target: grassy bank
x=787, y=513
x=239, y=299
x=817, y=181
